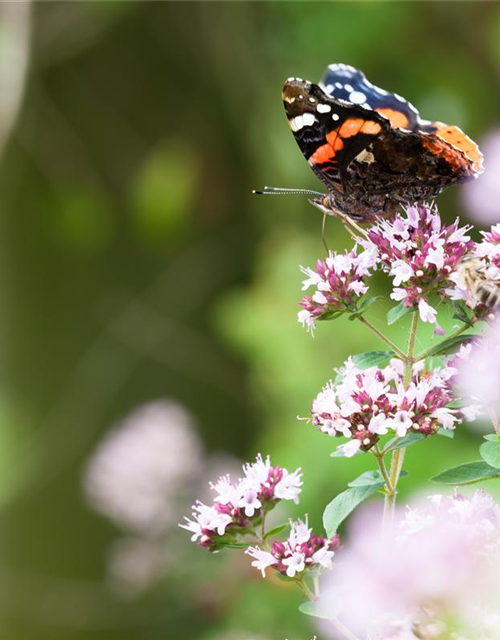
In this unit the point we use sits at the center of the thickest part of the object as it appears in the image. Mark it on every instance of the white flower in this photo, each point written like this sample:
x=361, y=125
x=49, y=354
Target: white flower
x=323, y=557
x=436, y=255
x=399, y=294
x=250, y=501
x=228, y=492
x=445, y=417
x=427, y=313
x=299, y=533
x=295, y=564
x=379, y=424
x=288, y=488
x=258, y=472
x=349, y=449
x=401, y=423
x=306, y=319
x=263, y=559
x=401, y=272
x=358, y=287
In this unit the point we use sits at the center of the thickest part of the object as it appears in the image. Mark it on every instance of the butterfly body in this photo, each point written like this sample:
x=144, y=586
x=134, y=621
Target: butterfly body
x=370, y=147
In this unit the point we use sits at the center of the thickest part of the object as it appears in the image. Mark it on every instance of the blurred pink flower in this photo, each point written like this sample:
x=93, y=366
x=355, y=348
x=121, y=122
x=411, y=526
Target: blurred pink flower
x=481, y=198
x=144, y=466
x=428, y=579
x=478, y=371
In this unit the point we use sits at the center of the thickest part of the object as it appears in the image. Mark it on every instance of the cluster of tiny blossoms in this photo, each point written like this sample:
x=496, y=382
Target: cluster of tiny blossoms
x=369, y=403
x=420, y=253
x=442, y=580
x=239, y=507
x=339, y=282
x=302, y=550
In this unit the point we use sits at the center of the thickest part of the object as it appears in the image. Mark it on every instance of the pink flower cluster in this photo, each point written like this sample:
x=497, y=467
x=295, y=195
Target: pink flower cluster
x=369, y=403
x=435, y=576
x=420, y=254
x=239, y=507
x=339, y=282
x=301, y=551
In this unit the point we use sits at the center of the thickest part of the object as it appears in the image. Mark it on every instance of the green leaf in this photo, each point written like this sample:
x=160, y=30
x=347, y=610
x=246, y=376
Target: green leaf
x=492, y=437
x=451, y=345
x=371, y=477
x=398, y=312
x=366, y=302
x=372, y=359
x=490, y=453
x=407, y=441
x=319, y=610
x=467, y=473
x=343, y=504
x=461, y=313
x=446, y=433
x=332, y=315
x=275, y=530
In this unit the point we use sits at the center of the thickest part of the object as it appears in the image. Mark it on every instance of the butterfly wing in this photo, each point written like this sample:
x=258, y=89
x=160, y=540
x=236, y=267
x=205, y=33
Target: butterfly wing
x=344, y=82
x=330, y=132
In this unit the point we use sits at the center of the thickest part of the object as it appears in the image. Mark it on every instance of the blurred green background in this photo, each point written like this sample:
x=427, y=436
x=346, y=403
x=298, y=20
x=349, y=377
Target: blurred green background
x=135, y=265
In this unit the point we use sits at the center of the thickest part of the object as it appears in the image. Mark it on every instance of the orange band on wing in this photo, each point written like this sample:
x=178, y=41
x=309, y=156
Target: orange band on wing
x=456, y=137
x=351, y=127
x=398, y=119
x=371, y=128
x=327, y=152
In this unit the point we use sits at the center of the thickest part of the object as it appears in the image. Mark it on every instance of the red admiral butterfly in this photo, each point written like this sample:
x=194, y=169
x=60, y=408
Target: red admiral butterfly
x=370, y=147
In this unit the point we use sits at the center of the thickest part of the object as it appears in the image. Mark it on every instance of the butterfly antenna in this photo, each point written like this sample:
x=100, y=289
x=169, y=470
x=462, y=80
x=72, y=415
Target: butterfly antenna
x=282, y=191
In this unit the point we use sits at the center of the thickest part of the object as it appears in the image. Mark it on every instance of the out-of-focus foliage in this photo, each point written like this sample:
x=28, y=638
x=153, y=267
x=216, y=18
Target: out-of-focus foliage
x=135, y=265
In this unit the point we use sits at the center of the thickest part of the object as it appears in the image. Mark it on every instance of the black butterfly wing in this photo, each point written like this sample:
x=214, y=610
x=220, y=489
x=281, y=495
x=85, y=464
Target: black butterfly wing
x=330, y=132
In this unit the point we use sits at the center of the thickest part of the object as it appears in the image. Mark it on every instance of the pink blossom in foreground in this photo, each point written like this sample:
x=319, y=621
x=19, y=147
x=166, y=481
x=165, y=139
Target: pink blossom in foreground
x=239, y=506
x=429, y=579
x=481, y=198
x=339, y=281
x=478, y=371
x=301, y=551
x=420, y=253
x=368, y=403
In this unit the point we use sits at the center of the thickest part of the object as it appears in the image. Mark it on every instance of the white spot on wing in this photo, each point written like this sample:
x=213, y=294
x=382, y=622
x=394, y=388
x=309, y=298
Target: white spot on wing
x=305, y=120
x=323, y=108
x=348, y=87
x=339, y=85
x=356, y=97
x=335, y=116
x=309, y=119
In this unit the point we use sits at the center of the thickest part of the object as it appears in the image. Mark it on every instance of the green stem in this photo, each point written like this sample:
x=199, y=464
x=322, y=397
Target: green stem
x=398, y=455
x=379, y=455
x=423, y=354
x=383, y=337
x=305, y=590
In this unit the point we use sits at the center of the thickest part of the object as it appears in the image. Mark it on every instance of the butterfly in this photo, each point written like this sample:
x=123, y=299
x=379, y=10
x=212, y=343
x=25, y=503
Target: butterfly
x=370, y=147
